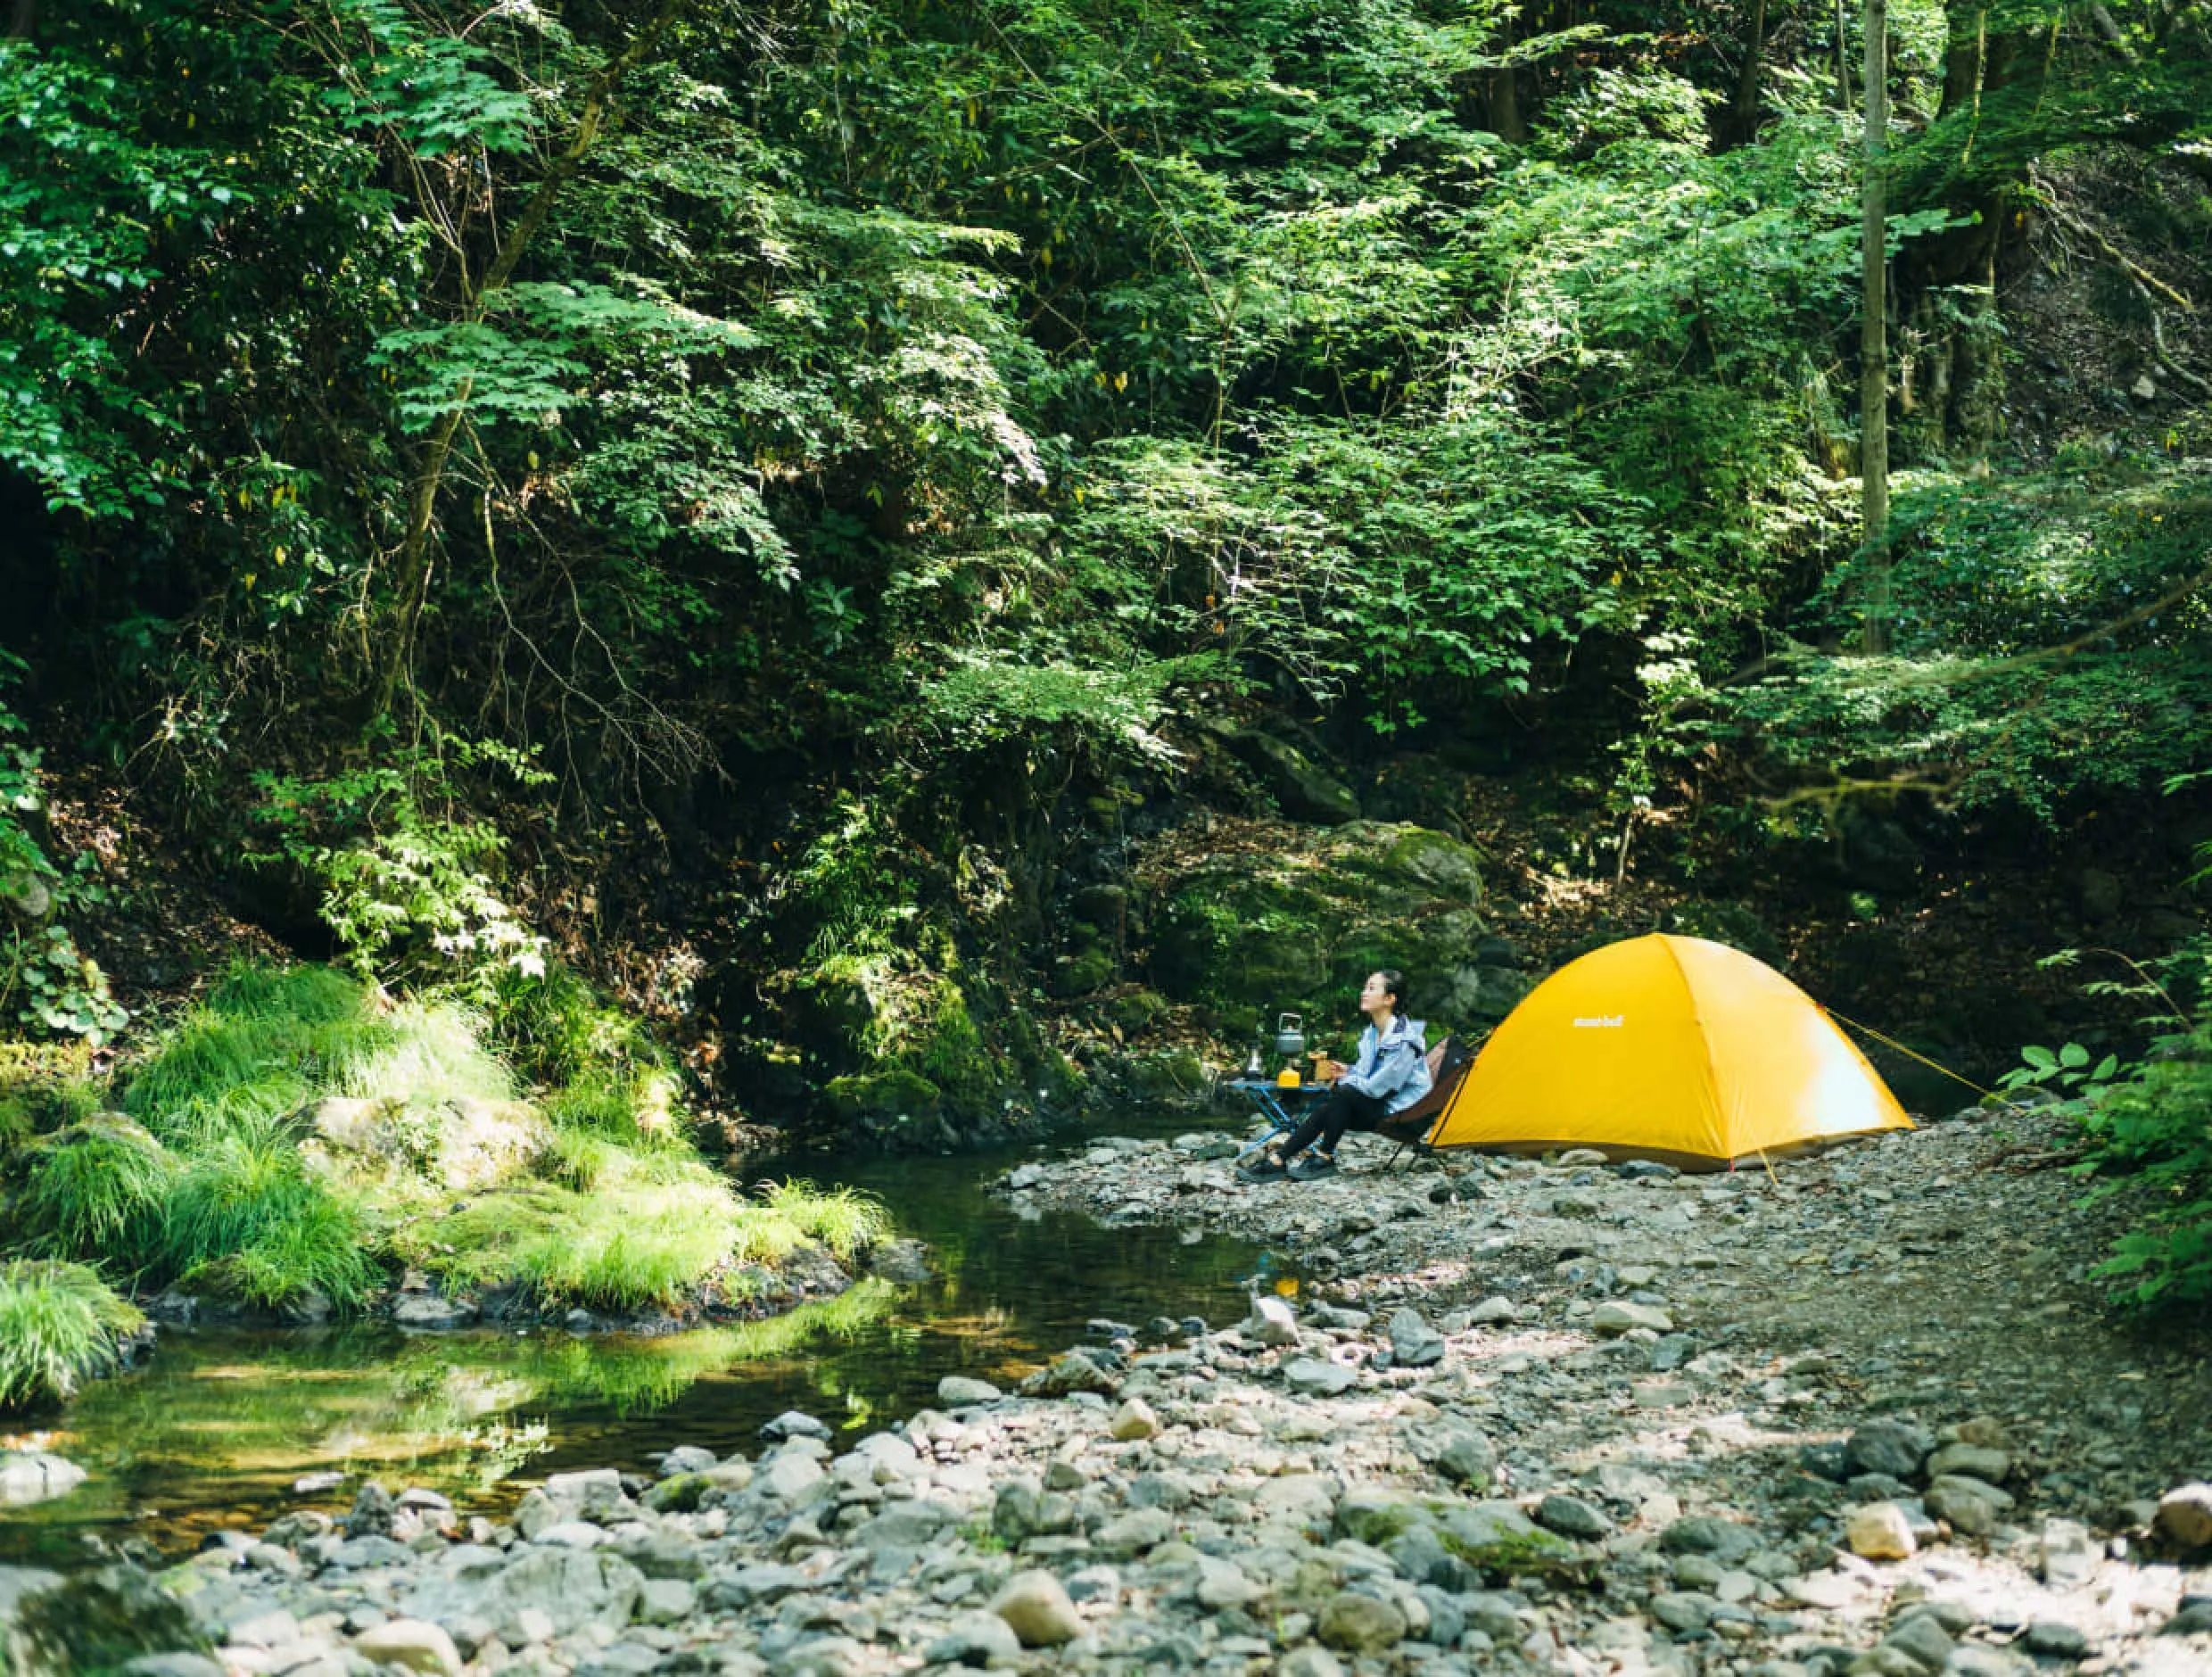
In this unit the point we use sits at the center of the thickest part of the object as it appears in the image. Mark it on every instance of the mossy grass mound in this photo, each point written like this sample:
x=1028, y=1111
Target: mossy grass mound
x=299, y=1135
x=60, y=1326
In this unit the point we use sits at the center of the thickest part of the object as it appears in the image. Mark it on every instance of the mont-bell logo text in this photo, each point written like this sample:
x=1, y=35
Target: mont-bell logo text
x=1601, y=1021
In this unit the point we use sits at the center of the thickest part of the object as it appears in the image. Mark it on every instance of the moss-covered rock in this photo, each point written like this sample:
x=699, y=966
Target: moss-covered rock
x=1089, y=968
x=1169, y=1078
x=882, y=1103
x=1286, y=918
x=1302, y=789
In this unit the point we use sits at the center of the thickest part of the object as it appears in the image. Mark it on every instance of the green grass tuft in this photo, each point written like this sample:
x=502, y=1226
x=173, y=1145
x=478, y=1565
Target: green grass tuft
x=59, y=1326
x=425, y=1054
x=253, y=1217
x=95, y=1189
x=846, y=1220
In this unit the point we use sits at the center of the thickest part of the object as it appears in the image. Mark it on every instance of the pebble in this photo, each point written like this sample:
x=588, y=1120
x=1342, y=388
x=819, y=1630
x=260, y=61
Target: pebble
x=1879, y=1530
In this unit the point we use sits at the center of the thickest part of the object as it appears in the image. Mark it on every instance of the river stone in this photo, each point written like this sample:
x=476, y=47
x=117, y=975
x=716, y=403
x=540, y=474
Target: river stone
x=1969, y=1506
x=590, y=1495
x=1921, y=1638
x=955, y=1390
x=1616, y=1317
x=1223, y=1583
x=1494, y=1312
x=572, y=1587
x=1683, y=1611
x=794, y=1424
x=414, y=1643
x=1310, y=1660
x=1570, y=1517
x=29, y=1477
x=2184, y=1517
x=1978, y=1659
x=1025, y=1177
x=2067, y=1555
x=1704, y=1534
x=1132, y=1421
x=1891, y=1447
x=787, y=1475
x=1359, y=1624
x=1830, y=1591
x=1458, y=1451
x=1880, y=1532
x=667, y=1600
x=1306, y=1499
x=754, y=1585
x=2057, y=1641
x=433, y=1312
x=913, y=1523
x=1271, y=1322
x=1989, y=1466
x=1414, y=1343
x=572, y=1534
x=1066, y=1375
x=824, y=1657
x=975, y=1639
x=1318, y=1378
x=1037, y=1608
x=1128, y=1534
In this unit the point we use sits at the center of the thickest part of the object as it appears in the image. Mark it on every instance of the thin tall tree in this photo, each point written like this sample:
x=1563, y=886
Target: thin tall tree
x=1873, y=338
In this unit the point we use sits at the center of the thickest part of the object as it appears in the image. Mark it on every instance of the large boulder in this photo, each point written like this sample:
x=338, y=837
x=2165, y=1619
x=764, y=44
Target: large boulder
x=1272, y=917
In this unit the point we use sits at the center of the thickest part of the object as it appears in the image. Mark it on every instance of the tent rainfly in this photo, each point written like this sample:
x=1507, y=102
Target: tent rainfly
x=1667, y=1047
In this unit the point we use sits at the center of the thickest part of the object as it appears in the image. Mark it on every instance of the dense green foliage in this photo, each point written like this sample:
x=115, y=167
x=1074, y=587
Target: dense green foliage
x=855, y=454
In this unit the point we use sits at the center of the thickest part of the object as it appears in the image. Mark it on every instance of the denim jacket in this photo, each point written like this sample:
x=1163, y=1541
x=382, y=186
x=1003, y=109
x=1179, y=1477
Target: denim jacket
x=1394, y=1068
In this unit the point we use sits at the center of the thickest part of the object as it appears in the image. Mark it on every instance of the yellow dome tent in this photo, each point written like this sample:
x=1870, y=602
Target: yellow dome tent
x=1667, y=1047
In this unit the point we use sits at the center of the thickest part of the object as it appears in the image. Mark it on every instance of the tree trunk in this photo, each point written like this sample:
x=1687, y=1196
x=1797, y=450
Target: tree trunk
x=1744, y=109
x=1504, y=98
x=1873, y=345
x=395, y=656
x=1842, y=59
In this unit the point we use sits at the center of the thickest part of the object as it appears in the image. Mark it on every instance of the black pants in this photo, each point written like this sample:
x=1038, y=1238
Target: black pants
x=1343, y=1109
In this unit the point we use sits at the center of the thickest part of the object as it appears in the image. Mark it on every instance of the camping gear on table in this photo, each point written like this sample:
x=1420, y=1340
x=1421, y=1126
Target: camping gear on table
x=1667, y=1047
x=1290, y=1036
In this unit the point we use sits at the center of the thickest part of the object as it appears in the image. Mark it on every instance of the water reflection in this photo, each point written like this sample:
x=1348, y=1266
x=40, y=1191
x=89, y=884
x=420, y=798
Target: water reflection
x=219, y=1426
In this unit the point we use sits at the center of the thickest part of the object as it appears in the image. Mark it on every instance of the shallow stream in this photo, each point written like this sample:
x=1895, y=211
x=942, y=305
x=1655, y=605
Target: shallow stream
x=217, y=1426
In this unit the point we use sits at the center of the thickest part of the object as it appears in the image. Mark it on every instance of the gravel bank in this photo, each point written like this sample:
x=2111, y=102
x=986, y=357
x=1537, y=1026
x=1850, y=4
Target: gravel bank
x=1860, y=1415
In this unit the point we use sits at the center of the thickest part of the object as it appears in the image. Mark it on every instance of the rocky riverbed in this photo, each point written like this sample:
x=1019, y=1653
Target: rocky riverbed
x=1861, y=1415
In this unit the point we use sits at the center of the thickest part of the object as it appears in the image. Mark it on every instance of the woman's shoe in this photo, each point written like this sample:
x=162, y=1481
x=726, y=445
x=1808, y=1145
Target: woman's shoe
x=1267, y=1167
x=1312, y=1168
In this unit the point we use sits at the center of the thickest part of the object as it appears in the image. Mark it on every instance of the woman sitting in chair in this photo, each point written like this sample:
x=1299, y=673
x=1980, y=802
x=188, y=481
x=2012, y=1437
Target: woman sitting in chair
x=1391, y=1073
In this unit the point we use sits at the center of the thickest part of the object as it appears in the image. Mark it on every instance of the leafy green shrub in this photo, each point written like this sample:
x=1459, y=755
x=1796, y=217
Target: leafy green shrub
x=2155, y=1130
x=405, y=869
x=557, y=1029
x=60, y=1324
x=50, y=982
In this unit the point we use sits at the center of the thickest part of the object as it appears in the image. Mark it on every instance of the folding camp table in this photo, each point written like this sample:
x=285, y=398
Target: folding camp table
x=1279, y=1106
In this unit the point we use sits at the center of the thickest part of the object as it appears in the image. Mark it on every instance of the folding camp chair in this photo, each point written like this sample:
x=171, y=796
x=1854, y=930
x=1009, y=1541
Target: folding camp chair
x=1449, y=1064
